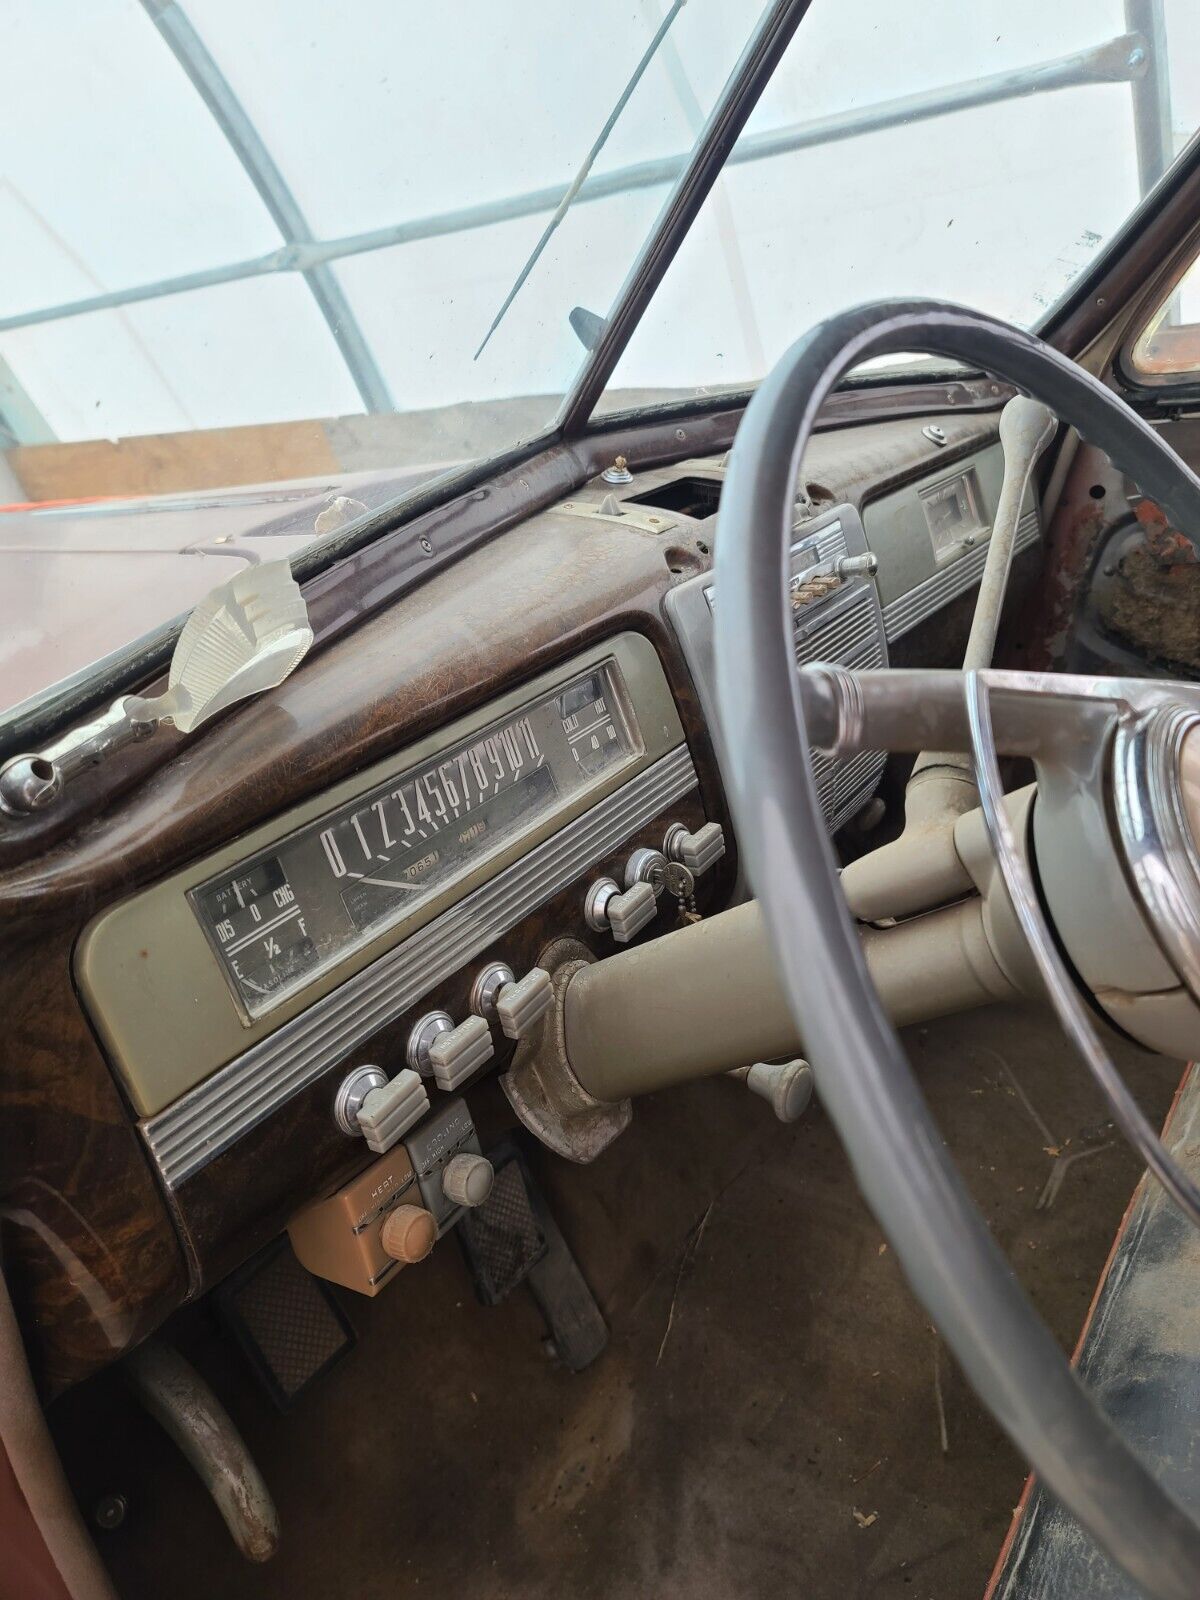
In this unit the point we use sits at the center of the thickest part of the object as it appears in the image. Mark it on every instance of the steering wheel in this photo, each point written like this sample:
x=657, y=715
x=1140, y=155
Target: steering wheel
x=944, y=1246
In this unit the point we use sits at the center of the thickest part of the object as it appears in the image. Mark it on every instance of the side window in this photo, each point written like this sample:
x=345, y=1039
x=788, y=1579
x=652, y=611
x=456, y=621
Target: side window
x=1167, y=350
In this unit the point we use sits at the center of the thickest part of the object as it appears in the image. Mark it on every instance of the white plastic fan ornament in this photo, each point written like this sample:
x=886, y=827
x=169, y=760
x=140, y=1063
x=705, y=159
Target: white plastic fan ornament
x=243, y=638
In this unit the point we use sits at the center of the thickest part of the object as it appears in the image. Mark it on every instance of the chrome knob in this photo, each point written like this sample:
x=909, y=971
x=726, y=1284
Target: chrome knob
x=352, y=1091
x=487, y=986
x=518, y=1005
x=606, y=909
x=866, y=565
x=421, y=1038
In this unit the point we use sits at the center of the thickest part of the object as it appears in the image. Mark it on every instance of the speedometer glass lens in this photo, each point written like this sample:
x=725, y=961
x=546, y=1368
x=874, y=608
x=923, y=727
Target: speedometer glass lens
x=279, y=919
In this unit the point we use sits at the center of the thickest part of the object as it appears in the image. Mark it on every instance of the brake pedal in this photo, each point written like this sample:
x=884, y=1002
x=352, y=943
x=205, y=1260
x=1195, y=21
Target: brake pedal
x=503, y=1239
x=290, y=1327
x=513, y=1239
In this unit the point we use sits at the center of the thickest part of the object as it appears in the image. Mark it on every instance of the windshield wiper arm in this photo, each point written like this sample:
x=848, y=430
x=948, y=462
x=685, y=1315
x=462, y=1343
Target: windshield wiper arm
x=577, y=181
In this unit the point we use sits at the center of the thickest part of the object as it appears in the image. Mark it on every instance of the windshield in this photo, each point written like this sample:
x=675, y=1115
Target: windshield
x=252, y=252
x=271, y=266
x=981, y=153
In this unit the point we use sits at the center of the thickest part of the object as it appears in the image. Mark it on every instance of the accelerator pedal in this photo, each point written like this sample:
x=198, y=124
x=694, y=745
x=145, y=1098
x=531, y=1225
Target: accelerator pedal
x=289, y=1325
x=513, y=1239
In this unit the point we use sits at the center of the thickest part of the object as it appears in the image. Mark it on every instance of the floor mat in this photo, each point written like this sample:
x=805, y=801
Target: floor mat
x=773, y=1416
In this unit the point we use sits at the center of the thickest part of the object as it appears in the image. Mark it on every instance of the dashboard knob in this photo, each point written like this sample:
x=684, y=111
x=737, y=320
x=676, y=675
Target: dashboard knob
x=408, y=1234
x=863, y=566
x=367, y=1104
x=467, y=1179
x=485, y=991
x=697, y=851
x=456, y=1054
x=420, y=1040
x=623, y=915
x=786, y=1085
x=520, y=1006
x=391, y=1110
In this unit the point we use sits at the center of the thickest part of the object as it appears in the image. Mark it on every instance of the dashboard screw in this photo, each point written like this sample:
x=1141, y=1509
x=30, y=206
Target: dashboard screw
x=426, y=545
x=110, y=1511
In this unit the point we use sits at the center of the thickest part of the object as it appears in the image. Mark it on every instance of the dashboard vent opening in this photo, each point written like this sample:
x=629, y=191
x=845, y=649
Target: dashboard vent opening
x=689, y=497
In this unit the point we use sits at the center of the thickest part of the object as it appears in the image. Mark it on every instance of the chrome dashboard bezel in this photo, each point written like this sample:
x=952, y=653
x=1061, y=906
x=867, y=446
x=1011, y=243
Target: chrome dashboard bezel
x=150, y=981
x=201, y=1124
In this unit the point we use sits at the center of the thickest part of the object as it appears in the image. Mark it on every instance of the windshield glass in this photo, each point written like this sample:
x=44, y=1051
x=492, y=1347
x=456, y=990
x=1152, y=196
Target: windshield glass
x=271, y=266
x=982, y=153
x=252, y=253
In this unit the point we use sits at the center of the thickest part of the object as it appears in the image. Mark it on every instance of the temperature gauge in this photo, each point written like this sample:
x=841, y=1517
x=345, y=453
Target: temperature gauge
x=590, y=724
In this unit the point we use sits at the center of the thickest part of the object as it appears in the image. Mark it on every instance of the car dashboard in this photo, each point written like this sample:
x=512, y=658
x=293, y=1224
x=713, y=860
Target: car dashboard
x=313, y=899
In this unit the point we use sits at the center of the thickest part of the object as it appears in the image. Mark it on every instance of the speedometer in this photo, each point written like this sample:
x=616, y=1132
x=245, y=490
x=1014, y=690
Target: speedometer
x=287, y=914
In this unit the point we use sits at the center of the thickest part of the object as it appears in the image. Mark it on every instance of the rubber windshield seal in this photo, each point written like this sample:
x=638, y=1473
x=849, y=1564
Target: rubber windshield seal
x=954, y=1266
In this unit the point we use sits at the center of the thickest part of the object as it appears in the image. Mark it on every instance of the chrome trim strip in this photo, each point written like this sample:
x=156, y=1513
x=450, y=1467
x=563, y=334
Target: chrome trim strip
x=212, y=1116
x=952, y=580
x=823, y=545
x=850, y=632
x=1154, y=829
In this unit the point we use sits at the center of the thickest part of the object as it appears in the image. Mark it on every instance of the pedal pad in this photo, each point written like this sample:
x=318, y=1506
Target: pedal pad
x=287, y=1322
x=513, y=1238
x=575, y=1321
x=502, y=1239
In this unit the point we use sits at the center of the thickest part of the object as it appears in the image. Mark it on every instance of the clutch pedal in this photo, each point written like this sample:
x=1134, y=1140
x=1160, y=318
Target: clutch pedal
x=290, y=1327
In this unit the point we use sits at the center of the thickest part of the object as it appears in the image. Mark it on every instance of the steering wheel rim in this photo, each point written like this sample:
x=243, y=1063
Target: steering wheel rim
x=945, y=1249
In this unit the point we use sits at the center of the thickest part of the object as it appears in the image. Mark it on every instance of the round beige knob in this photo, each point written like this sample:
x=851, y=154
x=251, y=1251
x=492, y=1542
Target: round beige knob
x=408, y=1234
x=467, y=1180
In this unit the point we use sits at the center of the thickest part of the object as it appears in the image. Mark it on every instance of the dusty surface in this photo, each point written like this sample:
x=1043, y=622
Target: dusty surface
x=1153, y=602
x=1146, y=1322
x=766, y=1421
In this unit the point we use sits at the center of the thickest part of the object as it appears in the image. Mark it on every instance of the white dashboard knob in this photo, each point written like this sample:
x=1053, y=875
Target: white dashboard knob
x=467, y=1179
x=458, y=1054
x=391, y=1110
x=622, y=915
x=520, y=1006
x=697, y=851
x=787, y=1086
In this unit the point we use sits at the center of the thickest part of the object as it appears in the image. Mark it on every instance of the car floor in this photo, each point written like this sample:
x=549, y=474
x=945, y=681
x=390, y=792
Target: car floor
x=773, y=1415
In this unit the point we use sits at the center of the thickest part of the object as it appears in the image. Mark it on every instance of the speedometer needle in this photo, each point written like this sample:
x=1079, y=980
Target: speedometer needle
x=390, y=883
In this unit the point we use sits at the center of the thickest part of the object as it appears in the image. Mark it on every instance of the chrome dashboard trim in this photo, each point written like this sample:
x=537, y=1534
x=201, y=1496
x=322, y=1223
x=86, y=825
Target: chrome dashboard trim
x=1160, y=850
x=205, y=1121
x=921, y=601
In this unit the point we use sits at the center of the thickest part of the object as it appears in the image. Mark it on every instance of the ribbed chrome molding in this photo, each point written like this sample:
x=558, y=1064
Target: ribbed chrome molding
x=209, y=1118
x=825, y=544
x=851, y=633
x=959, y=575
